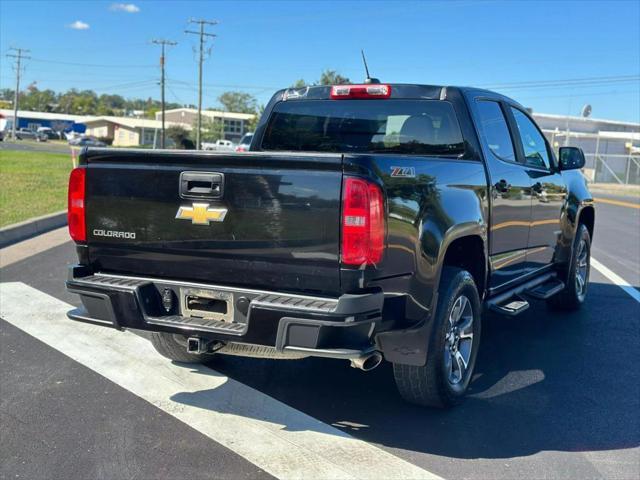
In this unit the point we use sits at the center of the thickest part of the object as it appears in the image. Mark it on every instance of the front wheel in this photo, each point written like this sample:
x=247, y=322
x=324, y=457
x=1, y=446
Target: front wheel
x=444, y=379
x=575, y=292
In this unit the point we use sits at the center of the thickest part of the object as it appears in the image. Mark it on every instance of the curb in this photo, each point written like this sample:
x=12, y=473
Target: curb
x=30, y=228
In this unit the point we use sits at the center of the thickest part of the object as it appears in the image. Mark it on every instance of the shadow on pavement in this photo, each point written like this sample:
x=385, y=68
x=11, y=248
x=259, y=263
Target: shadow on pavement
x=544, y=381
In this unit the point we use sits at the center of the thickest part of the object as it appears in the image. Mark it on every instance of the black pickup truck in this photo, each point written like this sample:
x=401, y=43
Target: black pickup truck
x=366, y=222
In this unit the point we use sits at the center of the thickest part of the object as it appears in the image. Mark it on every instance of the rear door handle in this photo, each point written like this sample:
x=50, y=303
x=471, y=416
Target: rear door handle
x=201, y=185
x=503, y=186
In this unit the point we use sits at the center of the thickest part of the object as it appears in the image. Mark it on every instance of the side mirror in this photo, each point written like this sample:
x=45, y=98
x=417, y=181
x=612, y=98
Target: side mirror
x=571, y=158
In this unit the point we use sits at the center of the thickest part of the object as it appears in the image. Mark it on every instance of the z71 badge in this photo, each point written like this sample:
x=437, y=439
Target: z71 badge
x=404, y=172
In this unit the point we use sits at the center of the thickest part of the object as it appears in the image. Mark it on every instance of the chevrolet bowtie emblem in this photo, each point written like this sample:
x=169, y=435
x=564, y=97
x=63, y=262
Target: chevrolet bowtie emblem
x=201, y=214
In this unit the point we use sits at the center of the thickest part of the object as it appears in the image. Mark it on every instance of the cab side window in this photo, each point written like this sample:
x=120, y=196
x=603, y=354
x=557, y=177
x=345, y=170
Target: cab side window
x=533, y=143
x=494, y=130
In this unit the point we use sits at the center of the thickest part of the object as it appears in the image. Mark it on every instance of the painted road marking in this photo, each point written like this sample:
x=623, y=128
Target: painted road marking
x=616, y=279
x=617, y=202
x=277, y=438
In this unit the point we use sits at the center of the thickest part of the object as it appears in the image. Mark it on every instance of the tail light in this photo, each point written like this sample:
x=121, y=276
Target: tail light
x=76, y=207
x=362, y=222
x=372, y=91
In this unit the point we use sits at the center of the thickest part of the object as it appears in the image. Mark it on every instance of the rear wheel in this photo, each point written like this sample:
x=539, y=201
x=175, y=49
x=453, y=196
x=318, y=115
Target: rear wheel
x=174, y=347
x=574, y=293
x=453, y=347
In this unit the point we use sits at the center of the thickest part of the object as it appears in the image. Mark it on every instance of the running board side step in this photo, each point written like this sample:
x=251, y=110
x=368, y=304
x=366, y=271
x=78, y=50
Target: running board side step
x=511, y=303
x=511, y=307
x=546, y=290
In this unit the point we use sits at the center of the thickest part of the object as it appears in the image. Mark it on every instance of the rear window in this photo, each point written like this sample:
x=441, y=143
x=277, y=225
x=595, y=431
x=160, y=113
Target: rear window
x=419, y=127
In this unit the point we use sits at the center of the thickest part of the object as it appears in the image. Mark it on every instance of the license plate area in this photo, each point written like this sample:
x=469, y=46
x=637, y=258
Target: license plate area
x=207, y=304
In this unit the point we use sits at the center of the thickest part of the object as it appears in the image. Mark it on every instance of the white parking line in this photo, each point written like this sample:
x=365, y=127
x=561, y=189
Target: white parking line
x=616, y=279
x=277, y=438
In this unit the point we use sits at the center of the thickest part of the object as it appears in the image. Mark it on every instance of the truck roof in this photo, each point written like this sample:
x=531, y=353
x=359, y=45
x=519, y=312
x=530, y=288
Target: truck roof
x=398, y=90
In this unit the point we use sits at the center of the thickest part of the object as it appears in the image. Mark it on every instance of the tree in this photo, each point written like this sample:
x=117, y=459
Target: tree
x=34, y=99
x=250, y=125
x=180, y=136
x=6, y=94
x=331, y=77
x=328, y=77
x=212, y=129
x=239, y=102
x=65, y=101
x=85, y=103
x=110, y=105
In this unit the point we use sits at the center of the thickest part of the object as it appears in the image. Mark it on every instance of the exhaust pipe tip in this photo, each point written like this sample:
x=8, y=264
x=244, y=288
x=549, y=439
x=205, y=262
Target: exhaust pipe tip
x=368, y=362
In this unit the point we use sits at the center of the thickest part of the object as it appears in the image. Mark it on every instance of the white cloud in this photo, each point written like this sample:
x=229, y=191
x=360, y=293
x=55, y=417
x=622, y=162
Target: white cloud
x=79, y=25
x=125, y=7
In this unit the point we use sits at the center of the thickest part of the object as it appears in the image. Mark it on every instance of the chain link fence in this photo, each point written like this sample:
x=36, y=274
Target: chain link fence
x=621, y=169
x=611, y=157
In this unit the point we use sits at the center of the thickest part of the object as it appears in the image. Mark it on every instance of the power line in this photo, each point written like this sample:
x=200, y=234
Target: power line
x=19, y=55
x=227, y=85
x=96, y=65
x=570, y=79
x=202, y=35
x=573, y=82
x=580, y=94
x=163, y=43
x=175, y=95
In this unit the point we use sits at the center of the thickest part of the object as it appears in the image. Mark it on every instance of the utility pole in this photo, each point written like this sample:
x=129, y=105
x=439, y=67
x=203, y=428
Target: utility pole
x=202, y=35
x=163, y=43
x=19, y=55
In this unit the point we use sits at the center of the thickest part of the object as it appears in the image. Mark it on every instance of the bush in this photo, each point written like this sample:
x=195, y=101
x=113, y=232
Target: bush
x=180, y=136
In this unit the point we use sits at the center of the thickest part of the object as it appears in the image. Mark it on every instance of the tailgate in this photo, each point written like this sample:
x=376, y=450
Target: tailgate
x=268, y=221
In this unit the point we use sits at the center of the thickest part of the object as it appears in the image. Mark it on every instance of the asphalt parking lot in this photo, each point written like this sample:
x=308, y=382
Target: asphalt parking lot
x=554, y=396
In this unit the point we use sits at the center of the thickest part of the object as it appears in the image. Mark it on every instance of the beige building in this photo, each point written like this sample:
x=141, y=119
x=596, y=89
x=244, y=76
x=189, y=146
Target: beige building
x=126, y=131
x=234, y=123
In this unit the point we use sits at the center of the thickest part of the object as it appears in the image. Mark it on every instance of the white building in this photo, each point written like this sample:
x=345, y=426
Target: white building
x=234, y=123
x=127, y=131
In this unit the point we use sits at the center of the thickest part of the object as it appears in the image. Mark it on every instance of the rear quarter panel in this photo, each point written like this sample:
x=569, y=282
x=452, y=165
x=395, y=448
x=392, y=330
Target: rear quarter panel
x=443, y=200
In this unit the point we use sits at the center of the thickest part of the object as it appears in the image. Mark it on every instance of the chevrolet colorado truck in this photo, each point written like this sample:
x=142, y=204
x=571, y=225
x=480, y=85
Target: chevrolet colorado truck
x=366, y=222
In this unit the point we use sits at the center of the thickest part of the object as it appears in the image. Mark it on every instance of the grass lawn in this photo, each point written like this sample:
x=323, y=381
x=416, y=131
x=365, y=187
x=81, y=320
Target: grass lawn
x=32, y=184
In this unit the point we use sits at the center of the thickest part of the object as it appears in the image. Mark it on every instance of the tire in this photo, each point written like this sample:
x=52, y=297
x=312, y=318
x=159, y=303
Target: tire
x=174, y=347
x=574, y=293
x=436, y=383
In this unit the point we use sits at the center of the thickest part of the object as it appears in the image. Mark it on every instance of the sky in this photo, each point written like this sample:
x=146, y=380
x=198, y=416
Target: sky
x=551, y=56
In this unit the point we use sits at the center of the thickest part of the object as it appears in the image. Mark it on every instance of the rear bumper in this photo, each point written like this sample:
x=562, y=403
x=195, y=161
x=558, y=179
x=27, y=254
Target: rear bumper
x=342, y=327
